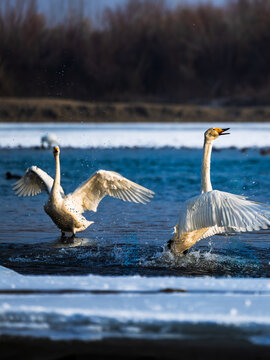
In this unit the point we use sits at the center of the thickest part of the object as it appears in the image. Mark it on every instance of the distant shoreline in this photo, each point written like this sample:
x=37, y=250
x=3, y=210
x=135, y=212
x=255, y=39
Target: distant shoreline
x=17, y=110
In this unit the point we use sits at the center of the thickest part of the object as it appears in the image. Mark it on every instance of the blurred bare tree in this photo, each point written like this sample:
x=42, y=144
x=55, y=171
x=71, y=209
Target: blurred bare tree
x=143, y=50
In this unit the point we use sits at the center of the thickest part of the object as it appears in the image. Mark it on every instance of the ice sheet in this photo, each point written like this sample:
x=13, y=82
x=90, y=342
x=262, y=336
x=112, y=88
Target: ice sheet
x=131, y=135
x=91, y=307
x=10, y=280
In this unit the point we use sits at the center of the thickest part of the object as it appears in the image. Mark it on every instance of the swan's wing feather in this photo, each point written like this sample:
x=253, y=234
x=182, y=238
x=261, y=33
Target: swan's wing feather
x=102, y=183
x=223, y=212
x=34, y=181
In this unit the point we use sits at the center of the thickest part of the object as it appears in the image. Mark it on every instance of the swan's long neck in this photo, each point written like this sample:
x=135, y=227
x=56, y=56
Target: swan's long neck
x=206, y=180
x=56, y=183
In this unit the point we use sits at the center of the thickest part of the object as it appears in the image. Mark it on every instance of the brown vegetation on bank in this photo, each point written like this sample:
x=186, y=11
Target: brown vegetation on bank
x=59, y=110
x=141, y=51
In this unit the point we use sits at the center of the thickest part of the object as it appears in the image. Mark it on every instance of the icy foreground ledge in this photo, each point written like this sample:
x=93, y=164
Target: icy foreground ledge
x=95, y=307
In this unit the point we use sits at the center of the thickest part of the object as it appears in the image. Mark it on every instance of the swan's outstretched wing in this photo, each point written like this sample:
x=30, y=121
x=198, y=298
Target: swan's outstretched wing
x=102, y=183
x=221, y=212
x=34, y=182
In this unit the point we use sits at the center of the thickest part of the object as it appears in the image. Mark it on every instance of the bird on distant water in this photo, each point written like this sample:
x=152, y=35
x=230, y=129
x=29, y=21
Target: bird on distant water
x=66, y=211
x=214, y=212
x=10, y=176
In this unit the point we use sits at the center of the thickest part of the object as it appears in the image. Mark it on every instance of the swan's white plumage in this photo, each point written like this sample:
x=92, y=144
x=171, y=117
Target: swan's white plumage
x=34, y=181
x=222, y=212
x=102, y=183
x=66, y=211
x=49, y=139
x=216, y=212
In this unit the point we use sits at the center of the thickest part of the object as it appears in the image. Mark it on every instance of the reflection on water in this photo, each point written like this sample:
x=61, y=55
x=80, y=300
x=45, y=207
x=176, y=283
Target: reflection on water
x=130, y=238
x=83, y=256
x=72, y=241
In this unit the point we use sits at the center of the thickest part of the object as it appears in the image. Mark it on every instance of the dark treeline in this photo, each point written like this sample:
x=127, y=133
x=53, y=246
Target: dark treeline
x=141, y=51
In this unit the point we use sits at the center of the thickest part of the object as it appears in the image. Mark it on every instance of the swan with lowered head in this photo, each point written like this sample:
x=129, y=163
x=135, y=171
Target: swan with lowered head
x=215, y=212
x=50, y=140
x=66, y=211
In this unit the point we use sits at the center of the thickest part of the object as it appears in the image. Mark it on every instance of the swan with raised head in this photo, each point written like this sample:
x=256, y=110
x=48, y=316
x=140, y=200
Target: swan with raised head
x=66, y=211
x=215, y=212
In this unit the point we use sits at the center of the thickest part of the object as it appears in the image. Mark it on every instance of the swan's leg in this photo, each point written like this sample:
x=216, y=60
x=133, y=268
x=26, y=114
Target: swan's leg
x=169, y=246
x=186, y=240
x=62, y=234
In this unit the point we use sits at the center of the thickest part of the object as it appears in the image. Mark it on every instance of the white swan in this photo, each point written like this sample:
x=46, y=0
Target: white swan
x=66, y=211
x=50, y=140
x=215, y=212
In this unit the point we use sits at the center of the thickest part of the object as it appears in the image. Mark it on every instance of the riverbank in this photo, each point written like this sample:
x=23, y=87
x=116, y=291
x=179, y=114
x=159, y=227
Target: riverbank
x=62, y=110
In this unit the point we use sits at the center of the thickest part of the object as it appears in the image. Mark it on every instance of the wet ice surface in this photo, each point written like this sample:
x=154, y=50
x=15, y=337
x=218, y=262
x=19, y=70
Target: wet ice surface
x=95, y=307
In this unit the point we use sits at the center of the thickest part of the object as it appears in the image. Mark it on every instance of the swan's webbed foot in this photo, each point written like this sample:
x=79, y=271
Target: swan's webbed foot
x=169, y=246
x=63, y=235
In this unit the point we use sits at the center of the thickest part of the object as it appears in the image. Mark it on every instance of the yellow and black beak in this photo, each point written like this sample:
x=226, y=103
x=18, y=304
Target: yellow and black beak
x=222, y=131
x=56, y=149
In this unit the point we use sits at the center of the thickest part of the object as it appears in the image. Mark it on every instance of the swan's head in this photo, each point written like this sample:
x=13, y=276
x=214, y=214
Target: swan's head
x=213, y=133
x=56, y=150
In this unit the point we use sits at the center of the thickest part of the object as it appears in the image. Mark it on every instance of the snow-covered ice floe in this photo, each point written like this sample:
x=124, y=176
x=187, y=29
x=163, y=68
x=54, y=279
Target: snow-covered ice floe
x=95, y=307
x=149, y=135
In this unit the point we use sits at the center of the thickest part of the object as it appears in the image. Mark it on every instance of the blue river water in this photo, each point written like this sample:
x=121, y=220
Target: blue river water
x=126, y=238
